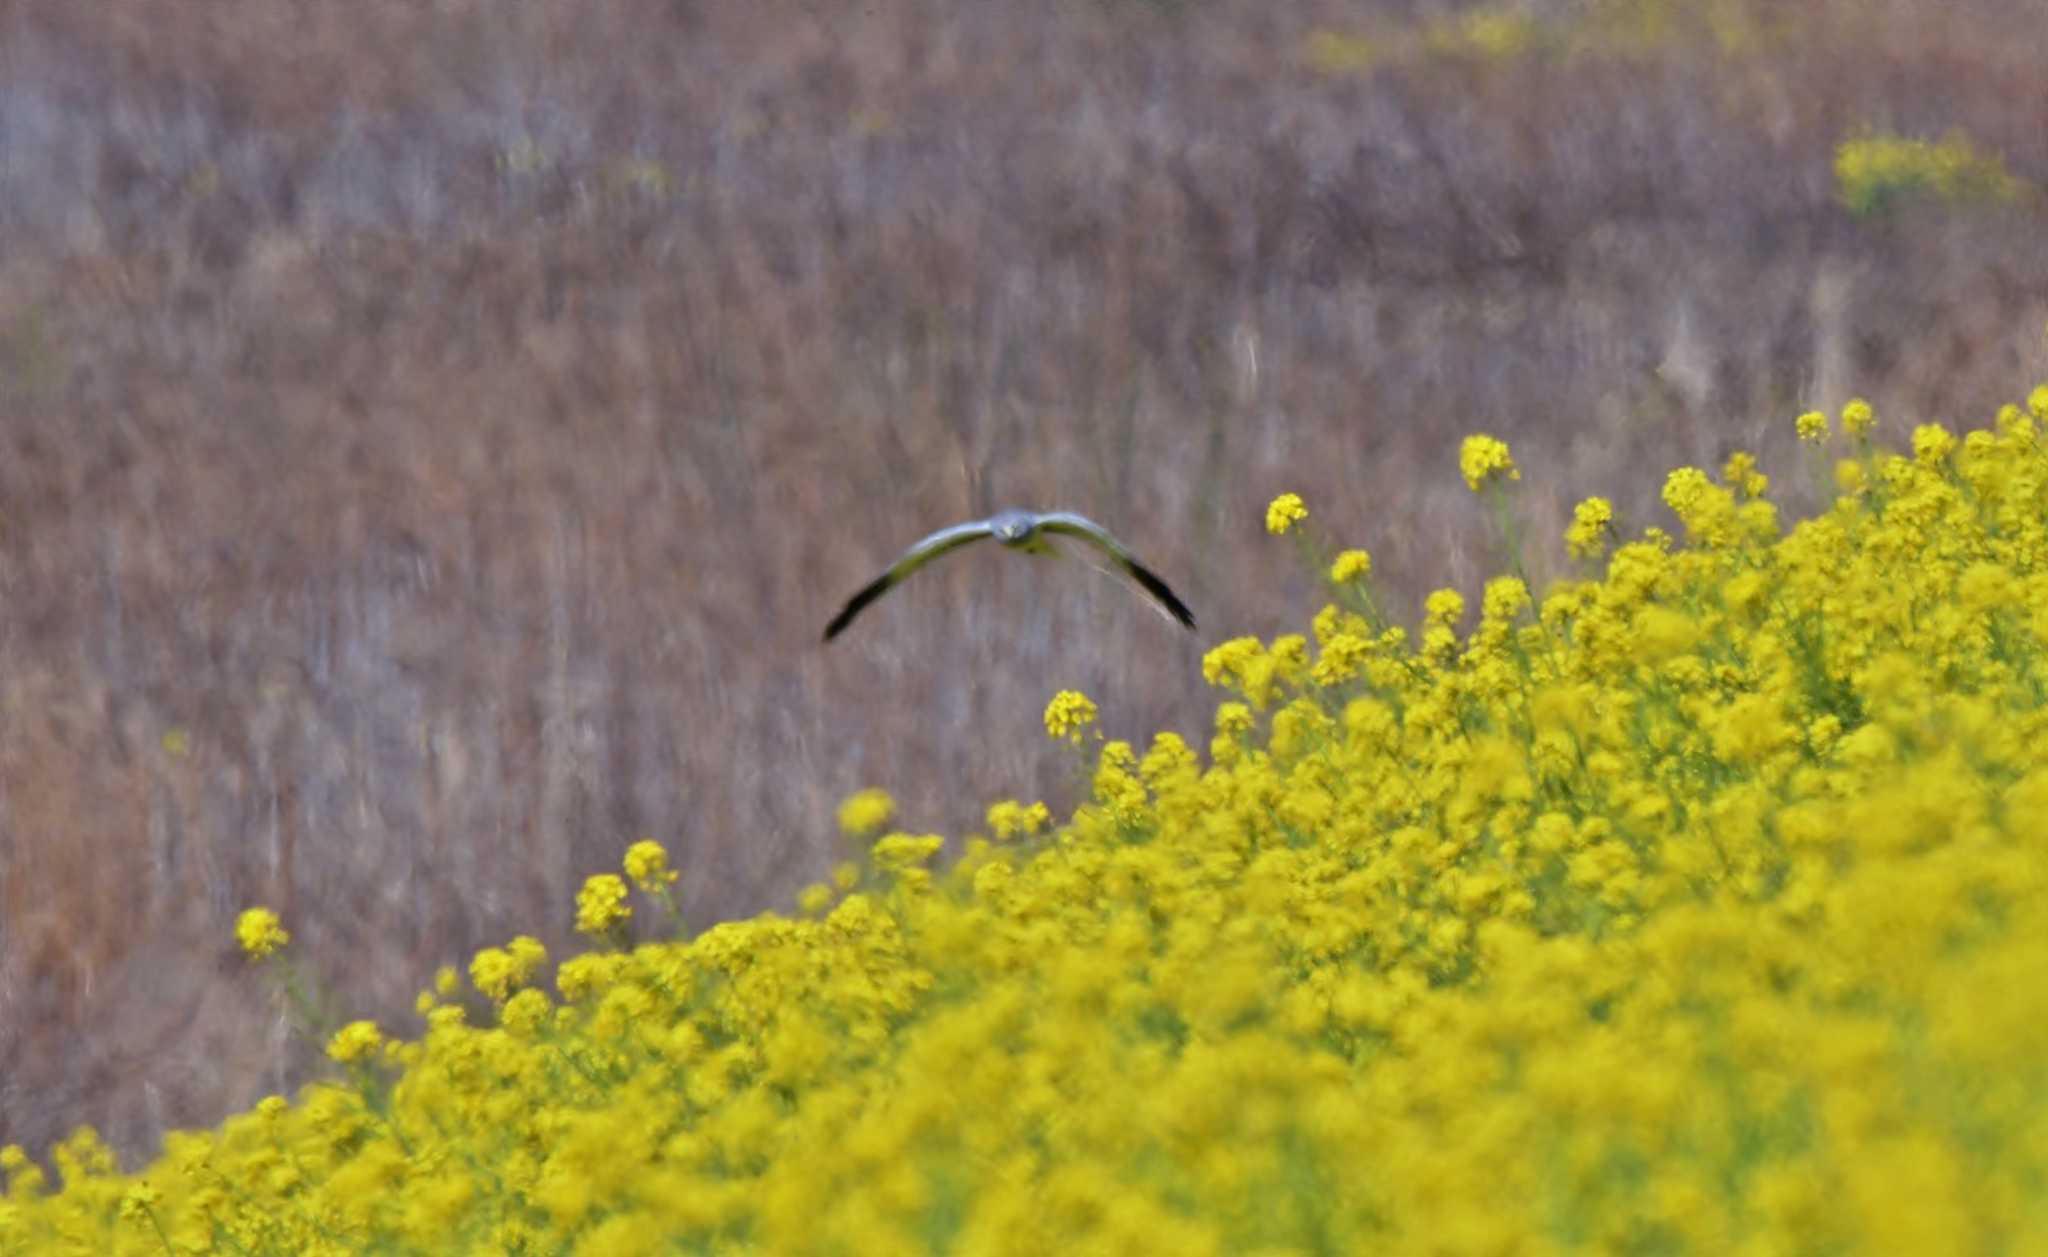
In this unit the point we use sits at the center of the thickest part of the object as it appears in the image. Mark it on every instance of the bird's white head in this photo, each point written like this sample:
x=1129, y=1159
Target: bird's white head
x=1011, y=527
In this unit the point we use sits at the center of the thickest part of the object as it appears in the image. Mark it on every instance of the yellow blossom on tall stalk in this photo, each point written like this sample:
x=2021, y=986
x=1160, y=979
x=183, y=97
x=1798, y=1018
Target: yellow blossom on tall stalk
x=1445, y=607
x=1813, y=427
x=1284, y=512
x=1740, y=474
x=355, y=1041
x=1504, y=598
x=865, y=812
x=647, y=865
x=903, y=856
x=1350, y=565
x=1932, y=443
x=601, y=905
x=1068, y=714
x=1483, y=459
x=1011, y=819
x=1858, y=418
x=1706, y=509
x=260, y=932
x=1488, y=469
x=1592, y=524
x=497, y=972
x=1441, y=612
x=1350, y=574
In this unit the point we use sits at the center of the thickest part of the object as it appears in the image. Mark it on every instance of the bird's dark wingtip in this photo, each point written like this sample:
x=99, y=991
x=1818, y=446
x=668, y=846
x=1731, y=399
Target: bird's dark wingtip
x=1157, y=588
x=853, y=607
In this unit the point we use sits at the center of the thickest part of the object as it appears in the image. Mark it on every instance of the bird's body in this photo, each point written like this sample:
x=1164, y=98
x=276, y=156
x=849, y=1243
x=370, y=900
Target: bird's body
x=1026, y=531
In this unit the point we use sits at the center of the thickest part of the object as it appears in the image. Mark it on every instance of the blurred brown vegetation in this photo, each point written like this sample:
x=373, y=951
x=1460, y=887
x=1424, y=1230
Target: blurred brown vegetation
x=435, y=435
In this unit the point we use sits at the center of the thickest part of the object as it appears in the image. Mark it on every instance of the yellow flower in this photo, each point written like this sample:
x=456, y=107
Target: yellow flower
x=1857, y=417
x=1769, y=809
x=1343, y=657
x=601, y=904
x=1740, y=474
x=491, y=971
x=1932, y=443
x=897, y=852
x=528, y=954
x=589, y=974
x=1813, y=427
x=1707, y=509
x=1228, y=660
x=355, y=1041
x=1876, y=171
x=1069, y=712
x=1482, y=459
x=647, y=865
x=1592, y=522
x=525, y=1011
x=1444, y=607
x=259, y=932
x=1351, y=565
x=1284, y=513
x=1011, y=819
x=865, y=811
x=498, y=972
x=137, y=1202
x=1504, y=598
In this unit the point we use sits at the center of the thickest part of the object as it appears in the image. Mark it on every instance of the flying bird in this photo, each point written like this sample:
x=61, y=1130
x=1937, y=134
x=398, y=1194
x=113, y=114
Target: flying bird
x=1019, y=530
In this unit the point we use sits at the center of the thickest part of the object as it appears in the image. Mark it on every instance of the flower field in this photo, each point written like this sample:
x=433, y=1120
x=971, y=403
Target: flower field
x=1699, y=906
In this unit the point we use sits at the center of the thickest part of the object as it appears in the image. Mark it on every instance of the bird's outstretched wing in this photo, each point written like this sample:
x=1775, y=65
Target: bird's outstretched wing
x=1068, y=524
x=912, y=559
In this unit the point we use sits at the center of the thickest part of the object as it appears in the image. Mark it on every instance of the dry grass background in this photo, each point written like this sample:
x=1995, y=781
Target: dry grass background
x=435, y=435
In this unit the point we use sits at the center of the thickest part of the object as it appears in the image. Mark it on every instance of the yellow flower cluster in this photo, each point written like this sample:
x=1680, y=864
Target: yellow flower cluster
x=647, y=866
x=601, y=905
x=865, y=811
x=1350, y=566
x=1740, y=474
x=137, y=1202
x=1592, y=523
x=260, y=933
x=499, y=971
x=1878, y=172
x=1284, y=512
x=1699, y=908
x=358, y=1040
x=1483, y=459
x=1068, y=714
x=1011, y=819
